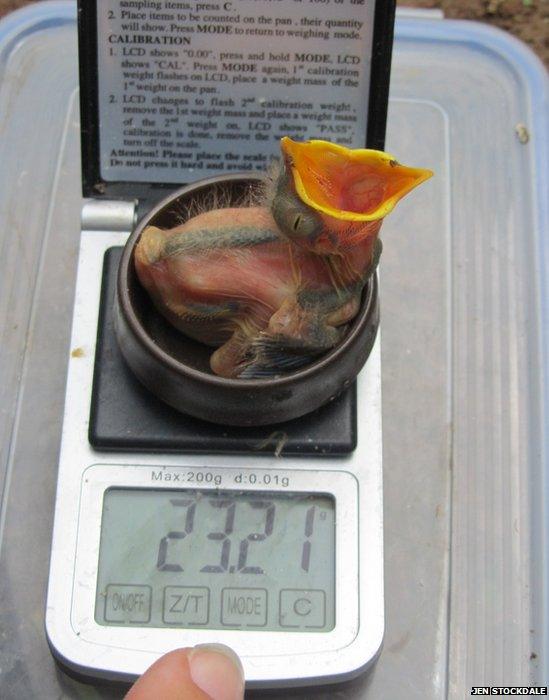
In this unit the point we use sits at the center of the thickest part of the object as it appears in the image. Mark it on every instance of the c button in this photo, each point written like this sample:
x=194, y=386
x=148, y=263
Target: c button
x=303, y=608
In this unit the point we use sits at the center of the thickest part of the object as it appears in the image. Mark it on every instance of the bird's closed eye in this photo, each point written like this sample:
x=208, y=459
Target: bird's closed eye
x=297, y=222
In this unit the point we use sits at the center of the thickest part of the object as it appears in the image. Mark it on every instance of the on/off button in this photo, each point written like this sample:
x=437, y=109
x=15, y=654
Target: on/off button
x=303, y=608
x=127, y=603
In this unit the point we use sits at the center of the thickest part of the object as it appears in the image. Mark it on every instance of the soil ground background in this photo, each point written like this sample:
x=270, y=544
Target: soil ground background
x=526, y=19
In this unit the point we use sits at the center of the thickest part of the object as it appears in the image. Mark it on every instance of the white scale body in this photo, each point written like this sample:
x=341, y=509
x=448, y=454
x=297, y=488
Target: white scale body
x=270, y=658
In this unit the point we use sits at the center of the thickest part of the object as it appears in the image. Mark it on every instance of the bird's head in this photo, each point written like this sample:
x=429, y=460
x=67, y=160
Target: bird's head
x=328, y=198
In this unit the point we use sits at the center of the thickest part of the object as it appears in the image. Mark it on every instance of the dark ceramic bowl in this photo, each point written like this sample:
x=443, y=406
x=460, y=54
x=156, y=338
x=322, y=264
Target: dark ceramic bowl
x=176, y=369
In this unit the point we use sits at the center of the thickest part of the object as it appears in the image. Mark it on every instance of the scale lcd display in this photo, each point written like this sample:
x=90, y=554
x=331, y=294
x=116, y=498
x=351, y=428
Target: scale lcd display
x=217, y=560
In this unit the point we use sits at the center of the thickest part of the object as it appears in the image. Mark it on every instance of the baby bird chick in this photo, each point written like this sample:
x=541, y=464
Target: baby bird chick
x=273, y=286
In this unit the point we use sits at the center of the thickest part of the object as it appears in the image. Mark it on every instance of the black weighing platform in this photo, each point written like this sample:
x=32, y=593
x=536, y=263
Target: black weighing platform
x=125, y=416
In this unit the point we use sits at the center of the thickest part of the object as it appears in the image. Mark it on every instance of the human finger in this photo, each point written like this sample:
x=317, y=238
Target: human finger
x=204, y=672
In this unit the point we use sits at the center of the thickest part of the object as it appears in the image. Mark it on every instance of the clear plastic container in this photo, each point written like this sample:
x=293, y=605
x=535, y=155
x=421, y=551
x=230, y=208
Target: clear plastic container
x=465, y=324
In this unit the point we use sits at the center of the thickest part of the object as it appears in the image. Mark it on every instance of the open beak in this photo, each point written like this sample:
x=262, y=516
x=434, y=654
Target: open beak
x=355, y=185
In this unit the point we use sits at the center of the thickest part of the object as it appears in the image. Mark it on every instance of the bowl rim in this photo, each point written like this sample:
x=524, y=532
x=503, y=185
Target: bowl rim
x=179, y=367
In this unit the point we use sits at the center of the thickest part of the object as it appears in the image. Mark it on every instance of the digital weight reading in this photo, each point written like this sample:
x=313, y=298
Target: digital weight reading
x=217, y=560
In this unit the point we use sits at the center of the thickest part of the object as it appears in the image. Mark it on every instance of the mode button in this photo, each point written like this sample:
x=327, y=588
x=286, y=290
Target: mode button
x=244, y=607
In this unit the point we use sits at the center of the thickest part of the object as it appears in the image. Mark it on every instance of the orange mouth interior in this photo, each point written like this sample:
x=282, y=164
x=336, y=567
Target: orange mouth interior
x=349, y=184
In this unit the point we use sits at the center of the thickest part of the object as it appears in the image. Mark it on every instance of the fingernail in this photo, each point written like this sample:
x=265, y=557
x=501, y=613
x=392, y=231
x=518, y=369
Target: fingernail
x=217, y=671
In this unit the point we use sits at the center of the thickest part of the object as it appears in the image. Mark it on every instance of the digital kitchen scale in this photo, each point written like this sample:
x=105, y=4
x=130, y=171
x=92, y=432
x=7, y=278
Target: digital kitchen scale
x=170, y=531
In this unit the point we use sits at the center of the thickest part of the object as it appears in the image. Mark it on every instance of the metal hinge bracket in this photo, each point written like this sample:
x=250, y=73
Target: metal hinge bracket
x=109, y=215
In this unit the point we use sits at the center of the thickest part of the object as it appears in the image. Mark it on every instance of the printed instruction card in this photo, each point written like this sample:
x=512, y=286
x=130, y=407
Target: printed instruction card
x=190, y=89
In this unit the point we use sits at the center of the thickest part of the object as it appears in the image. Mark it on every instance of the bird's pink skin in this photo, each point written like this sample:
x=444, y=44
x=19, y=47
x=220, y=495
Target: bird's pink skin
x=272, y=286
x=228, y=277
